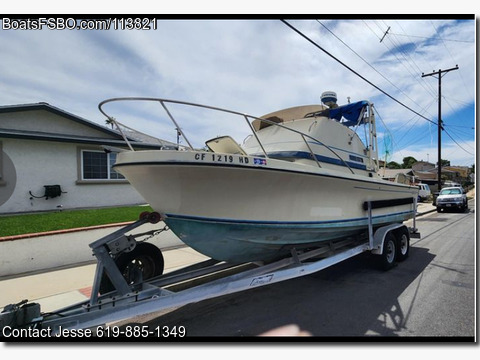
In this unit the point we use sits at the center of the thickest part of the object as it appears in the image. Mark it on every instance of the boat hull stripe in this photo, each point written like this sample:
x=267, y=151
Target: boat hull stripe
x=283, y=223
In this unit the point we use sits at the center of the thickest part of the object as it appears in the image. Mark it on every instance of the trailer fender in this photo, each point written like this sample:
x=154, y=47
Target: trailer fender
x=379, y=237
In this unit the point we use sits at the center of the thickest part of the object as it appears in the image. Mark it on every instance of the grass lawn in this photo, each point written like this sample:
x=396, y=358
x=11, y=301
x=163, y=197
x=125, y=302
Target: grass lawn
x=67, y=219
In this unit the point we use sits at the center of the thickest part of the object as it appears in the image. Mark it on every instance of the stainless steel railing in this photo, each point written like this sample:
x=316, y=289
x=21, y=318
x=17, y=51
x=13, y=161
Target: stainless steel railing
x=245, y=116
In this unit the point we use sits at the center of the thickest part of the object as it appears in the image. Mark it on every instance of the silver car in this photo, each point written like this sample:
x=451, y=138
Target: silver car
x=452, y=198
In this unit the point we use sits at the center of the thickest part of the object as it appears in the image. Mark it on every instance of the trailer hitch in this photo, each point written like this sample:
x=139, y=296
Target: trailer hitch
x=20, y=315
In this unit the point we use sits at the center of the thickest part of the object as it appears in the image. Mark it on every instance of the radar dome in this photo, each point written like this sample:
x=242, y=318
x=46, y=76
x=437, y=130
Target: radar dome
x=329, y=98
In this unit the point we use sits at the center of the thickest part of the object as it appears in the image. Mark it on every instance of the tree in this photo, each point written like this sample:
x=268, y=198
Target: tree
x=445, y=162
x=393, y=165
x=408, y=162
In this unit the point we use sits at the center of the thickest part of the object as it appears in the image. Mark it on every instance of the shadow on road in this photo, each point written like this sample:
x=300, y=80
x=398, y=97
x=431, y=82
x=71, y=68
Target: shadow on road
x=350, y=299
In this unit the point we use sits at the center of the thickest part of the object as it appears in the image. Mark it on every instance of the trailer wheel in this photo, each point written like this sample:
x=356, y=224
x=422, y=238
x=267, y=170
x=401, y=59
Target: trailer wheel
x=388, y=256
x=142, y=263
x=403, y=246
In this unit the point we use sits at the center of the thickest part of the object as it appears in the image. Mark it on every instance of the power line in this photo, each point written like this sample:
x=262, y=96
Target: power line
x=433, y=38
x=366, y=62
x=353, y=71
x=414, y=68
x=451, y=56
x=446, y=132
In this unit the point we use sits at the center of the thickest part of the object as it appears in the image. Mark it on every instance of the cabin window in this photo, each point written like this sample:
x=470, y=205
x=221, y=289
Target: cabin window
x=356, y=158
x=97, y=165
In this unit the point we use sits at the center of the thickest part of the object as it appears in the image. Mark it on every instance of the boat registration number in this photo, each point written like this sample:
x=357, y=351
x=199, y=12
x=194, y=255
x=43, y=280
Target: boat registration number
x=232, y=159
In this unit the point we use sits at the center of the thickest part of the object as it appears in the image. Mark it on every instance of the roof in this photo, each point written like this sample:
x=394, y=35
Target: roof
x=47, y=107
x=36, y=135
x=114, y=137
x=425, y=175
x=391, y=173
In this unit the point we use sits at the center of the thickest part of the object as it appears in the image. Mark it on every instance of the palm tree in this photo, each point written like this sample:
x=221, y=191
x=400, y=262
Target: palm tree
x=110, y=121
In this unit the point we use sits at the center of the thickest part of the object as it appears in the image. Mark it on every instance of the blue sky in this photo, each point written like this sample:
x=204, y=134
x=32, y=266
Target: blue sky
x=256, y=67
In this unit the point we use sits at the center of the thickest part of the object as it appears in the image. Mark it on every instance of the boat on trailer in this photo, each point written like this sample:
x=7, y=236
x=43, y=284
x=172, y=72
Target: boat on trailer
x=303, y=177
x=284, y=193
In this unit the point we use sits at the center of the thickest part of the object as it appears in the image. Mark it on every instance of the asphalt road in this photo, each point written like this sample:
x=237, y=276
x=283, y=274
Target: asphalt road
x=431, y=294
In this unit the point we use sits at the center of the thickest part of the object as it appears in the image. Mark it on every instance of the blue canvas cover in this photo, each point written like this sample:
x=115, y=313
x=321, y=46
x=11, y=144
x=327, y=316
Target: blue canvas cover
x=350, y=112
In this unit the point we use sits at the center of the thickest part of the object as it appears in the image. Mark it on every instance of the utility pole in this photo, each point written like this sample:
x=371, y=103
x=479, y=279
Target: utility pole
x=440, y=127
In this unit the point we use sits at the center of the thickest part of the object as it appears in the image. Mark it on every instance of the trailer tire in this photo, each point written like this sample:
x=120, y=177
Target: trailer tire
x=145, y=258
x=403, y=245
x=389, y=253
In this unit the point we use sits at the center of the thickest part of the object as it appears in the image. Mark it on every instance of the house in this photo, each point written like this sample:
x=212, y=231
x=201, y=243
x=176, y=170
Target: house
x=51, y=159
x=427, y=173
x=423, y=166
x=404, y=176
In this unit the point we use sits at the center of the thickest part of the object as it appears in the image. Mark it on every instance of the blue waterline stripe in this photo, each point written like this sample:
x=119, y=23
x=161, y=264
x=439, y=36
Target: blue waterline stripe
x=281, y=223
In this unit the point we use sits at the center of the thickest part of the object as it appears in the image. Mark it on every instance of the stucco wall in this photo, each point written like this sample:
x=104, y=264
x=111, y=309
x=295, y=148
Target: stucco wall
x=39, y=163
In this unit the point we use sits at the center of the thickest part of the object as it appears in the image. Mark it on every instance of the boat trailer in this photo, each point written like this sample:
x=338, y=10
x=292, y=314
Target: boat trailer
x=194, y=283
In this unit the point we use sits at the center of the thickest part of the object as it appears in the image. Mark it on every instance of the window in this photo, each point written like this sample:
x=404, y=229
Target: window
x=97, y=165
x=1, y=163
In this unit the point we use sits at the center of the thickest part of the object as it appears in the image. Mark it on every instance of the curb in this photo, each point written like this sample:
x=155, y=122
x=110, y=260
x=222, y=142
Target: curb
x=64, y=231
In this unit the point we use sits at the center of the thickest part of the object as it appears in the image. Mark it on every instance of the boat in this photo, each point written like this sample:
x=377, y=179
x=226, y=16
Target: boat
x=304, y=176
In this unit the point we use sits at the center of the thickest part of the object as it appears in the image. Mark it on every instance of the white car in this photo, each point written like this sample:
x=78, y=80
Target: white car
x=423, y=192
x=452, y=198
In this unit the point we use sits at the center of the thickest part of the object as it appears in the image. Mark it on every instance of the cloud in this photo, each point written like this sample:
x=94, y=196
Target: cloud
x=251, y=66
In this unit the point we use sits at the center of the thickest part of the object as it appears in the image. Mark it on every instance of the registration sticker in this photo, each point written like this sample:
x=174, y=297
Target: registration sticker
x=259, y=161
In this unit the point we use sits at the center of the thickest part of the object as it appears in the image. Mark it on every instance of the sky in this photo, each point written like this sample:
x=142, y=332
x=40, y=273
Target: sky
x=257, y=66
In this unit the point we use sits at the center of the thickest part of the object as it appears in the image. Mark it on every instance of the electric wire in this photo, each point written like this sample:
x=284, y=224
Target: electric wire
x=451, y=56
x=398, y=48
x=446, y=132
x=353, y=71
x=366, y=62
x=414, y=69
x=425, y=85
x=434, y=38
x=368, y=81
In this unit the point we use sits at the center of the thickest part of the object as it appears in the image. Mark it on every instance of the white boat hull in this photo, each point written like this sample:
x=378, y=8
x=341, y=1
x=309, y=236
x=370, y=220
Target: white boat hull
x=244, y=208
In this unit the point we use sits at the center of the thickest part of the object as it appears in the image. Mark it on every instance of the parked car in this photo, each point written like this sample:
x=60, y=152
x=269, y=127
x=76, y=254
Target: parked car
x=451, y=184
x=452, y=198
x=423, y=192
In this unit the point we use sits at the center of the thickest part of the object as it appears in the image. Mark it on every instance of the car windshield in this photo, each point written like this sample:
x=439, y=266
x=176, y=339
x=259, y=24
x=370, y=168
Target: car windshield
x=450, y=191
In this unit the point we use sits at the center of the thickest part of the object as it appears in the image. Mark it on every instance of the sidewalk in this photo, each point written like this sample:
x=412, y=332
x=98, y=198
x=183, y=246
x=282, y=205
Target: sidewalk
x=59, y=288
x=425, y=208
